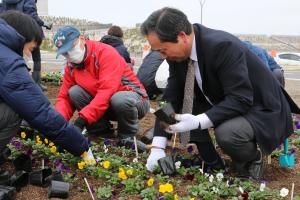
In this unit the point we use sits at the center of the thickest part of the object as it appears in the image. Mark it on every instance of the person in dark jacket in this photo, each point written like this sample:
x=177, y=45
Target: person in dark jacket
x=268, y=60
x=114, y=38
x=20, y=97
x=147, y=72
x=29, y=7
x=233, y=92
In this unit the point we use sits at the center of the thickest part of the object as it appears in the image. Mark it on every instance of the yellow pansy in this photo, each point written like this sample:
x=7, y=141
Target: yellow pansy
x=51, y=144
x=81, y=165
x=150, y=182
x=39, y=142
x=192, y=198
x=121, y=170
x=129, y=172
x=84, y=154
x=23, y=135
x=175, y=197
x=122, y=176
x=46, y=141
x=53, y=149
x=166, y=188
x=92, y=161
x=106, y=164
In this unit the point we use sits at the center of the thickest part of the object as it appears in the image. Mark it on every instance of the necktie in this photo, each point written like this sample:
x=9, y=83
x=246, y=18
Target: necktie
x=188, y=98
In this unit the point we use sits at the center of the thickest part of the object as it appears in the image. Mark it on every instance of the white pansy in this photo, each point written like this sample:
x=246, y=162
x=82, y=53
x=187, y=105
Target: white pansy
x=98, y=159
x=219, y=176
x=284, y=192
x=241, y=189
x=206, y=175
x=135, y=160
x=177, y=164
x=201, y=171
x=262, y=187
x=211, y=178
x=215, y=190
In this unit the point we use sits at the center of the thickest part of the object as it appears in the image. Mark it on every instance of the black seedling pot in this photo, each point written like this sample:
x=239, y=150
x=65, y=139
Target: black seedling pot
x=19, y=180
x=167, y=165
x=55, y=176
x=38, y=177
x=23, y=162
x=4, y=177
x=4, y=155
x=59, y=189
x=7, y=192
x=166, y=114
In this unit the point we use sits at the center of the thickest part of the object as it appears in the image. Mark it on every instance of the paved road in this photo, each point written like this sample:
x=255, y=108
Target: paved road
x=292, y=75
x=50, y=63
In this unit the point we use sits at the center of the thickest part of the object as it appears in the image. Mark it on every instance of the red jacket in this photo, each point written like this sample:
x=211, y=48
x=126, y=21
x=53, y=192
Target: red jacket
x=105, y=72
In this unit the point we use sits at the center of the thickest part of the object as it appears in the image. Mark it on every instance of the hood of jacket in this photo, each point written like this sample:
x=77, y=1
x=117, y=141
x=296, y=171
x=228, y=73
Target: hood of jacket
x=112, y=40
x=10, y=38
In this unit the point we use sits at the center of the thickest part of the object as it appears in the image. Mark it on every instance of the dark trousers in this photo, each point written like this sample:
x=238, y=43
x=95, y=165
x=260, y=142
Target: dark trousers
x=236, y=138
x=126, y=107
x=9, y=124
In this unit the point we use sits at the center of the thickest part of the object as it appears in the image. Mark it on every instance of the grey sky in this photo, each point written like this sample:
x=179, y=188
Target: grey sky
x=235, y=16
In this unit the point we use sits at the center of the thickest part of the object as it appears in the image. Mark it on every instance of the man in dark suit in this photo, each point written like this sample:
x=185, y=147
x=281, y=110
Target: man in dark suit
x=233, y=92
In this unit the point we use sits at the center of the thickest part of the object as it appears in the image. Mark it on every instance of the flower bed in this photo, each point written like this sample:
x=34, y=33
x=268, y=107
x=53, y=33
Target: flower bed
x=122, y=176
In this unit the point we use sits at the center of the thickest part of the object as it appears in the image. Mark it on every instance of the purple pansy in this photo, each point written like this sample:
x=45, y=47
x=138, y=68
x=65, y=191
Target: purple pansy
x=190, y=149
x=292, y=150
x=106, y=141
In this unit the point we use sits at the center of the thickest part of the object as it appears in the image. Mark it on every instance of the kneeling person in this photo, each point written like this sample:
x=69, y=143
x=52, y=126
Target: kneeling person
x=99, y=84
x=20, y=97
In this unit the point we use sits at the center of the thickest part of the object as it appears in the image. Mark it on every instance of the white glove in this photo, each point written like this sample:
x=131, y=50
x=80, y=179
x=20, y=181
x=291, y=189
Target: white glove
x=154, y=156
x=88, y=157
x=186, y=122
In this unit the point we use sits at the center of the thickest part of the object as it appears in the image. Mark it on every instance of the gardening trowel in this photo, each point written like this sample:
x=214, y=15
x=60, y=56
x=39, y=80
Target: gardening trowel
x=287, y=160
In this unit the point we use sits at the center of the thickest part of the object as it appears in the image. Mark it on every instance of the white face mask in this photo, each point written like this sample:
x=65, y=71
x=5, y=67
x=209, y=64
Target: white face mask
x=76, y=54
x=27, y=56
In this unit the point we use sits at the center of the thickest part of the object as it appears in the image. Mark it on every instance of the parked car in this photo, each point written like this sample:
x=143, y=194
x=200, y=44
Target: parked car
x=288, y=58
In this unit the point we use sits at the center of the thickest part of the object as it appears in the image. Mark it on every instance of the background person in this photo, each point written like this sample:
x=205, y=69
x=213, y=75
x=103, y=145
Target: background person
x=269, y=61
x=29, y=7
x=114, y=38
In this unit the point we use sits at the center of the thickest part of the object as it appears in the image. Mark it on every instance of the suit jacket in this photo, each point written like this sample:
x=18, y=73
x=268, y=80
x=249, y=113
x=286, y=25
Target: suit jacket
x=238, y=84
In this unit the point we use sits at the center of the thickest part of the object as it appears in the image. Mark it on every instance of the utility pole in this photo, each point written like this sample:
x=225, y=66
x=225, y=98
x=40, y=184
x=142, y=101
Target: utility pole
x=202, y=2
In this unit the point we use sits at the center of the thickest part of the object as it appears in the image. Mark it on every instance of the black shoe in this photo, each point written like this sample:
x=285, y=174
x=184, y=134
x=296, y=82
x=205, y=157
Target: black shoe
x=217, y=165
x=129, y=143
x=256, y=167
x=102, y=128
x=251, y=170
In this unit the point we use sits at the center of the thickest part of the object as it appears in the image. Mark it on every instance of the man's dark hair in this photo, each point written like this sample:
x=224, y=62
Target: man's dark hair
x=167, y=23
x=24, y=24
x=115, y=31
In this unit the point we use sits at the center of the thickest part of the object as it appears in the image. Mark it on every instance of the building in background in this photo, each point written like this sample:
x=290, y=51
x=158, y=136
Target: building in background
x=42, y=7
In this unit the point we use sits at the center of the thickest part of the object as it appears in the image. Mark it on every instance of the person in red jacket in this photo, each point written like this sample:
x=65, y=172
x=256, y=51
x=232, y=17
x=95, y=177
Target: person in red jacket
x=99, y=84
